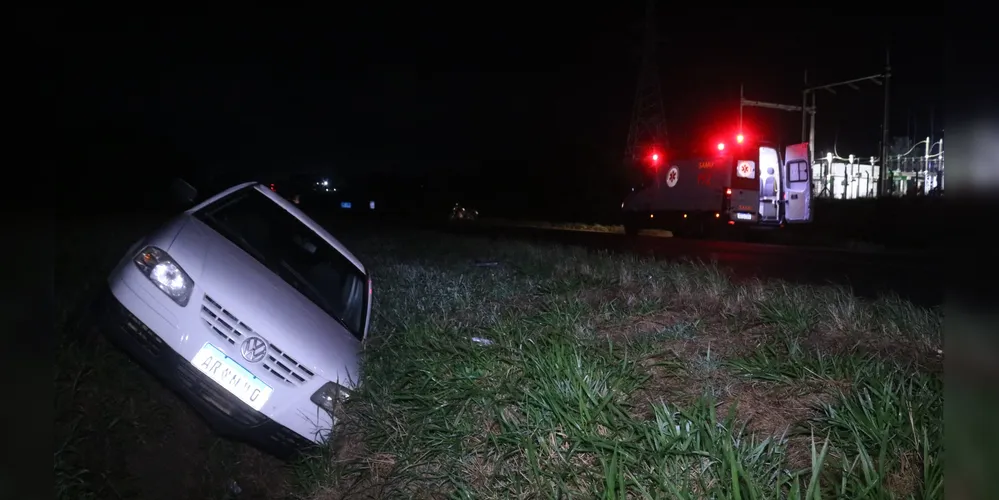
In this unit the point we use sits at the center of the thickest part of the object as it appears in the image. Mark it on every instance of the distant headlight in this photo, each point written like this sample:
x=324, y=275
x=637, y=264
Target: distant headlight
x=330, y=396
x=166, y=274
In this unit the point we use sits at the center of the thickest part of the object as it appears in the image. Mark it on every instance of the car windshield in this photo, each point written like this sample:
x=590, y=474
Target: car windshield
x=290, y=249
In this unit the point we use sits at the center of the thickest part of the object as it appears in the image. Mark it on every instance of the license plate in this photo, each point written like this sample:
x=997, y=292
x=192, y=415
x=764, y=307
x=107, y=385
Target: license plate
x=234, y=378
x=742, y=216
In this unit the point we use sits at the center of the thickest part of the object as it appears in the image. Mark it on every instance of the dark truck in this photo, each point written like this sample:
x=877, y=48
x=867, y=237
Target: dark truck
x=744, y=187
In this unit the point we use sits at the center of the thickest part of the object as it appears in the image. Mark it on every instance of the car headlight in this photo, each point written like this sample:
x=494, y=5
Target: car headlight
x=330, y=396
x=166, y=274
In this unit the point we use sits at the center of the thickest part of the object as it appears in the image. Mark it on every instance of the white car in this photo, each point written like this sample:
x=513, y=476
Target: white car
x=251, y=311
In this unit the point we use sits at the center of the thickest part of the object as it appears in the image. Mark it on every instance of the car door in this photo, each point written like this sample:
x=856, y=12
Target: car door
x=797, y=184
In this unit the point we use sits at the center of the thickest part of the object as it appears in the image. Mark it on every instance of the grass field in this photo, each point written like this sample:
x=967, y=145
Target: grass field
x=615, y=377
x=592, y=376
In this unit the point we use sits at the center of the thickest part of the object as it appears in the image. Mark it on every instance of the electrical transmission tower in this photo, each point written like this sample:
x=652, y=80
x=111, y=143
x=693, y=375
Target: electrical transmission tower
x=647, y=132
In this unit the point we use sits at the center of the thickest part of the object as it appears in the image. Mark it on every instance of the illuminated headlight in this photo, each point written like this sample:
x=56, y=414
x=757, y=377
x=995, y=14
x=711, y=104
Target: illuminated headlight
x=330, y=396
x=166, y=274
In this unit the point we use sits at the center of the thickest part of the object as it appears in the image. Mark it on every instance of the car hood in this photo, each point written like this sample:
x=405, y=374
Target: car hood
x=264, y=302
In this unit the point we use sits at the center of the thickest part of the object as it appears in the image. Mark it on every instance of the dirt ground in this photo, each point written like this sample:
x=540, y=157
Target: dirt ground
x=127, y=436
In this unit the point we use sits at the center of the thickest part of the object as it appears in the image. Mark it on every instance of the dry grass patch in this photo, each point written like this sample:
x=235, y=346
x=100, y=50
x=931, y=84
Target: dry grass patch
x=774, y=409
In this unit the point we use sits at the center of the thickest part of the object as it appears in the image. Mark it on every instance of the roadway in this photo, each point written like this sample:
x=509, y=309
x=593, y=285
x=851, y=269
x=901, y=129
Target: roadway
x=916, y=276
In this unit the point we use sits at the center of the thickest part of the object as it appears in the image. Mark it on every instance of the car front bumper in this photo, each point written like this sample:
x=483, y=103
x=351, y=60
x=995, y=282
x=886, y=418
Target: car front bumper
x=224, y=412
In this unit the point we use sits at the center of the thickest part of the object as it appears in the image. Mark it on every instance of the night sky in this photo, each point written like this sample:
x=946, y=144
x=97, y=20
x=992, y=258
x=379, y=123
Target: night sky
x=512, y=98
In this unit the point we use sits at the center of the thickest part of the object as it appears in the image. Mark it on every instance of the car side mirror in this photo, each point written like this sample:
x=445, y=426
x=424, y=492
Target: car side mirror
x=182, y=193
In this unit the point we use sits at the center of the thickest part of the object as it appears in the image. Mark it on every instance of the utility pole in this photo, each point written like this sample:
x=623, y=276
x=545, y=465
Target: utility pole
x=926, y=167
x=931, y=122
x=804, y=104
x=811, y=132
x=883, y=169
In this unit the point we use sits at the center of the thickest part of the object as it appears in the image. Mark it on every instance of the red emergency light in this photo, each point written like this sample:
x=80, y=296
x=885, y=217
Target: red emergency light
x=655, y=157
x=721, y=146
x=739, y=138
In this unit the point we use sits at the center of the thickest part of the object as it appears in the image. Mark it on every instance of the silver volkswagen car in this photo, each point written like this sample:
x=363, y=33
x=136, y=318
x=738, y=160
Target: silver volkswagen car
x=248, y=309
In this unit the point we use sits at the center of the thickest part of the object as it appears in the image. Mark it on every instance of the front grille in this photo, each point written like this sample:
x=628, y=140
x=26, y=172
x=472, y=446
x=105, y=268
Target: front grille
x=223, y=322
x=228, y=327
x=286, y=368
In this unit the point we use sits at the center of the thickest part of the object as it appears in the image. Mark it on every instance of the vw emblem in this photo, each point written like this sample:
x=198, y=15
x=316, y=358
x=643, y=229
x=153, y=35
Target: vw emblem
x=253, y=349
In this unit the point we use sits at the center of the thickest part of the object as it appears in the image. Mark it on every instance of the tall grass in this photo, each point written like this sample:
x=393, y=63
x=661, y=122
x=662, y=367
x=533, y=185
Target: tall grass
x=605, y=377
